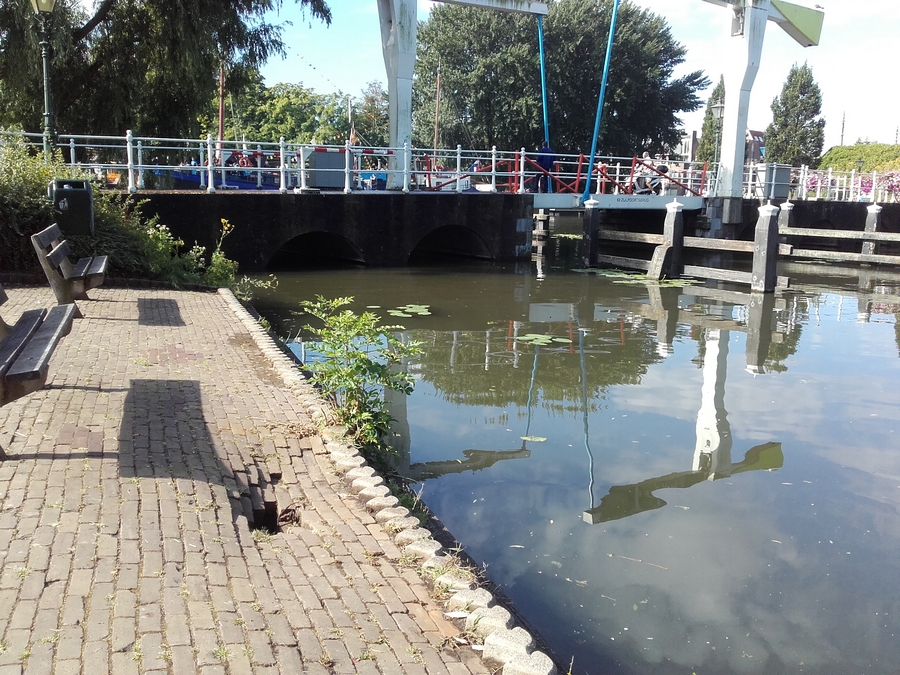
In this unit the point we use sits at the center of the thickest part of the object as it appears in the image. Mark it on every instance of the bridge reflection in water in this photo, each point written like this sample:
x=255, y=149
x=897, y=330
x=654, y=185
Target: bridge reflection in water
x=712, y=452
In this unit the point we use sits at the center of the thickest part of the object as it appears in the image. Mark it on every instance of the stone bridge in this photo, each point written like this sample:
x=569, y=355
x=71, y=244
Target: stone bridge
x=381, y=229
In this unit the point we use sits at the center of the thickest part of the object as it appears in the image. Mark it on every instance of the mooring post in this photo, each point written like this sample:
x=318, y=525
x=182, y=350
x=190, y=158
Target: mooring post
x=590, y=238
x=786, y=216
x=666, y=260
x=759, y=330
x=873, y=224
x=765, y=250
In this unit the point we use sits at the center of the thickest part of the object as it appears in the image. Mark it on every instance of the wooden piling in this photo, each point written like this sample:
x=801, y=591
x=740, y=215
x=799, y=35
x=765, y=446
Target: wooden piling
x=786, y=216
x=873, y=224
x=765, y=250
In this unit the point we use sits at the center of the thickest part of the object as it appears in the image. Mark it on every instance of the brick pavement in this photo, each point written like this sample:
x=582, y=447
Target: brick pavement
x=125, y=544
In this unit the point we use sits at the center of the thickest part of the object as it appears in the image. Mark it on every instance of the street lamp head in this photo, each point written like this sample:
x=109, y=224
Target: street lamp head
x=43, y=6
x=717, y=110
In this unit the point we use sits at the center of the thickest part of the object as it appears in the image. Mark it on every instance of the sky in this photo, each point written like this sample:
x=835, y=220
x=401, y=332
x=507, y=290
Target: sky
x=854, y=65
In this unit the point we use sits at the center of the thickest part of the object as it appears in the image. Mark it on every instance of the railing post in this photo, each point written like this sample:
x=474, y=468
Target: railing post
x=830, y=178
x=282, y=149
x=522, y=171
x=210, y=178
x=348, y=163
x=302, y=160
x=853, y=184
x=72, y=151
x=140, y=165
x=873, y=222
x=458, y=168
x=493, y=168
x=259, y=158
x=129, y=153
x=406, y=166
x=765, y=250
x=200, y=166
x=874, y=183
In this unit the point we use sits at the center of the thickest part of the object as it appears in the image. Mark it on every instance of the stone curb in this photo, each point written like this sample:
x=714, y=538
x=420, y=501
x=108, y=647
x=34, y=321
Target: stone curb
x=507, y=647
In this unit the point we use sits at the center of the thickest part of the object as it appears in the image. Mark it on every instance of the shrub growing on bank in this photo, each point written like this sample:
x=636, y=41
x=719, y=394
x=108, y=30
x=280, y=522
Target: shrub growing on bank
x=360, y=359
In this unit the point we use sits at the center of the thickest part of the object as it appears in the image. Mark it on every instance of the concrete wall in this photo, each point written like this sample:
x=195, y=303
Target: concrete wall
x=381, y=228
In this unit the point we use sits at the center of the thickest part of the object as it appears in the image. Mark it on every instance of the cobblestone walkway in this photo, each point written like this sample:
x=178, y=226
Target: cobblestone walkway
x=124, y=538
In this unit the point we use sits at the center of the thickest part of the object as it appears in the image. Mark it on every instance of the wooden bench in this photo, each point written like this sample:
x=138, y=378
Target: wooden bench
x=26, y=348
x=69, y=281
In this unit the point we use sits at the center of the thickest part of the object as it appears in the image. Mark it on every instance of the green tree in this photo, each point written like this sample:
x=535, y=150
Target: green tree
x=371, y=117
x=797, y=133
x=147, y=65
x=710, y=133
x=490, y=93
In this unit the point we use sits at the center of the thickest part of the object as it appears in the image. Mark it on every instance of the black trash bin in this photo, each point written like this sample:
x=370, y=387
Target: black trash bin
x=73, y=200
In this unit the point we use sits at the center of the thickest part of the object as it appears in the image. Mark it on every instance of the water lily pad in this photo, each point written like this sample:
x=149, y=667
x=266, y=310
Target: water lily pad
x=565, y=340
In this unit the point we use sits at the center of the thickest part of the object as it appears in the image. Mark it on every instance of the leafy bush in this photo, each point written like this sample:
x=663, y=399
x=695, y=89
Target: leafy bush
x=359, y=360
x=24, y=207
x=137, y=247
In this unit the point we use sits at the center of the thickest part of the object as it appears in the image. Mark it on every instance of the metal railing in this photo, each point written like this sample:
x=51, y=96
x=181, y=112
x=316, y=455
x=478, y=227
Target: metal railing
x=135, y=163
x=781, y=181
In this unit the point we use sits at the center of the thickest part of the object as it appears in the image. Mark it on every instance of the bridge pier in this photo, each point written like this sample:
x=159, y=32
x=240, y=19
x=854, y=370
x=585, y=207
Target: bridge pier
x=380, y=229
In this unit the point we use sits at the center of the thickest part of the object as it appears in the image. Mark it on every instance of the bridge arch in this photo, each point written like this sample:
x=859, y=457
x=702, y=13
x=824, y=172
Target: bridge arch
x=312, y=249
x=451, y=240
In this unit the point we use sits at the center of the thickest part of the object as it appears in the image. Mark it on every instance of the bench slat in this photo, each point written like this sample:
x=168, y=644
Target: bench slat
x=46, y=237
x=98, y=266
x=33, y=363
x=79, y=270
x=58, y=254
x=11, y=347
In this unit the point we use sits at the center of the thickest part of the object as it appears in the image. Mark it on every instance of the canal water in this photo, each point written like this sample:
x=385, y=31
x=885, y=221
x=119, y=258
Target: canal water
x=663, y=479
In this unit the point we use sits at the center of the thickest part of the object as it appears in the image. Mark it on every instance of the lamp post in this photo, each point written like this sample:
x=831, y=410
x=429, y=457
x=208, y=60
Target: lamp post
x=718, y=109
x=44, y=9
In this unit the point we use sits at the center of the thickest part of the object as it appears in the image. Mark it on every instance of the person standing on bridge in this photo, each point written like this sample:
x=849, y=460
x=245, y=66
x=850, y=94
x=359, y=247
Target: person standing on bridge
x=546, y=160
